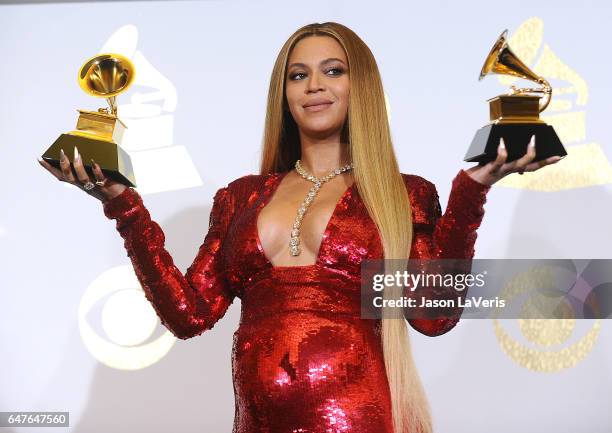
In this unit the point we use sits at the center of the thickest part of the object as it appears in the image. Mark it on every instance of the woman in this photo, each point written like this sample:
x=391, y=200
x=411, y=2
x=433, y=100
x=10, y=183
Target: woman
x=303, y=360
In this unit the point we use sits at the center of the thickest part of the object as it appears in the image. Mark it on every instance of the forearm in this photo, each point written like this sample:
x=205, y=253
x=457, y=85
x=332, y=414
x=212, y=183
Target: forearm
x=449, y=236
x=454, y=234
x=171, y=294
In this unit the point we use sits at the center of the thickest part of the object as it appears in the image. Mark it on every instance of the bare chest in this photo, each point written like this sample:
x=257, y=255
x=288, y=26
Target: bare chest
x=275, y=221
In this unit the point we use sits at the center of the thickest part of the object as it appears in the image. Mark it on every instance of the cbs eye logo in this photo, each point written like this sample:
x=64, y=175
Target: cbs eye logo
x=115, y=302
x=555, y=290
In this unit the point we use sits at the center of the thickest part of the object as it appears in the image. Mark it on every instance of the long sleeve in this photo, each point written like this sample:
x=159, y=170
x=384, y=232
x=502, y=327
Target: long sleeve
x=448, y=236
x=186, y=304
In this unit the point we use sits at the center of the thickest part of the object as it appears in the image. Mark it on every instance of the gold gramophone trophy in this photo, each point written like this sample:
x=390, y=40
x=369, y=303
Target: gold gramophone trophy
x=516, y=115
x=98, y=133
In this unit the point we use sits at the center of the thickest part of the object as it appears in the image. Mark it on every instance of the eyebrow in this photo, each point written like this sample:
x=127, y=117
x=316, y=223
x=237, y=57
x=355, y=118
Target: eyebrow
x=324, y=62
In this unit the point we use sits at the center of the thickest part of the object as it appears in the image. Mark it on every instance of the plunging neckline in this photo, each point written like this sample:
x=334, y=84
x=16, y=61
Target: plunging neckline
x=326, y=232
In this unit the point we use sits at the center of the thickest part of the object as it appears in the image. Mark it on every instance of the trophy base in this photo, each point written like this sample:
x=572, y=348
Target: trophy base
x=516, y=137
x=112, y=159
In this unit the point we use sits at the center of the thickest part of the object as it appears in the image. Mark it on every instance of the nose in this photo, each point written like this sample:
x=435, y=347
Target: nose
x=314, y=83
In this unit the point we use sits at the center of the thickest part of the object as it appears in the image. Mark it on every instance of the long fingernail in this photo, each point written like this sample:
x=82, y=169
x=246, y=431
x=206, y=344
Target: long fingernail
x=502, y=143
x=76, y=153
x=93, y=164
x=532, y=141
x=62, y=155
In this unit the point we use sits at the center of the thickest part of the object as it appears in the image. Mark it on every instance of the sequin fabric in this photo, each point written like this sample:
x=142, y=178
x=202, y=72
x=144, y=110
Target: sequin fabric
x=302, y=359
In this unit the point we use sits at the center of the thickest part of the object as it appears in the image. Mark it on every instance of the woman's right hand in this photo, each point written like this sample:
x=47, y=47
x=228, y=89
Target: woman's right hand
x=75, y=173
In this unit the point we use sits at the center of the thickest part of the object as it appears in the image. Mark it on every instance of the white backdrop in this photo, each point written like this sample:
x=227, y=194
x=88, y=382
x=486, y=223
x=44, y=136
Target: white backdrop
x=75, y=332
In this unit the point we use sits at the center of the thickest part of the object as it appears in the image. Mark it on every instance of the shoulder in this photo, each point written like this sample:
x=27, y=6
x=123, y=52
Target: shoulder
x=415, y=183
x=246, y=181
x=252, y=181
x=424, y=199
x=244, y=188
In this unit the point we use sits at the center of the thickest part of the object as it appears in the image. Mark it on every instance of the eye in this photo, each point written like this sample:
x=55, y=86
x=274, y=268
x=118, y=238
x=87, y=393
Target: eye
x=338, y=71
x=295, y=75
x=334, y=72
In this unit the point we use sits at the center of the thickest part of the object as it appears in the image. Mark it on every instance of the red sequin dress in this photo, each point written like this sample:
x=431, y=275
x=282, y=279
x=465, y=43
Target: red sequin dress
x=303, y=360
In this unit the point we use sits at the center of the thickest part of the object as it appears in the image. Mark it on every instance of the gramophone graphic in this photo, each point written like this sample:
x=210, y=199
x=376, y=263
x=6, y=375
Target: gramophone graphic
x=515, y=117
x=98, y=133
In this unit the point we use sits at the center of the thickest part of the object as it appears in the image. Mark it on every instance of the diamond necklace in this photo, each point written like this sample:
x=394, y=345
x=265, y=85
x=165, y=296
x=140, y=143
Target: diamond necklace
x=294, y=243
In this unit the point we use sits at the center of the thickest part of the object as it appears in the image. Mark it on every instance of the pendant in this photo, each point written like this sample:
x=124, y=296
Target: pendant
x=294, y=242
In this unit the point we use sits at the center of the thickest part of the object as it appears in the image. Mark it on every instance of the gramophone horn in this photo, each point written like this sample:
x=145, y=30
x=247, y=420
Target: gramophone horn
x=502, y=60
x=106, y=75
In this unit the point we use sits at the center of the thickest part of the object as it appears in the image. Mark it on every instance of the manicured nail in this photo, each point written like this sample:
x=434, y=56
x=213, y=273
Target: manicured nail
x=62, y=155
x=502, y=143
x=93, y=164
x=76, y=153
x=532, y=141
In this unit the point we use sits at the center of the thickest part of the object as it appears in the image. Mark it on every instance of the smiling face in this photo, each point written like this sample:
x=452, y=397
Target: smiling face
x=317, y=86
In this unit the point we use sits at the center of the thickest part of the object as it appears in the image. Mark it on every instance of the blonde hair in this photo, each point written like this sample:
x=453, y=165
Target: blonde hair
x=380, y=185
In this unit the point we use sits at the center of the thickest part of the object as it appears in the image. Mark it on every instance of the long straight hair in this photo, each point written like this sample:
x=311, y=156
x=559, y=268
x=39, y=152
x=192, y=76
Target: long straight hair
x=381, y=187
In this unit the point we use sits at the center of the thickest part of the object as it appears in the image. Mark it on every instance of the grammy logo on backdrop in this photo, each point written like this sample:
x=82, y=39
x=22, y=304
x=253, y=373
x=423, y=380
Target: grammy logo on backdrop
x=98, y=133
x=514, y=116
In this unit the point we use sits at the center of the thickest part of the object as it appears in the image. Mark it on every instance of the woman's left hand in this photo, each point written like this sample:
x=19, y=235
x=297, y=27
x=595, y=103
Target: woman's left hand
x=493, y=171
